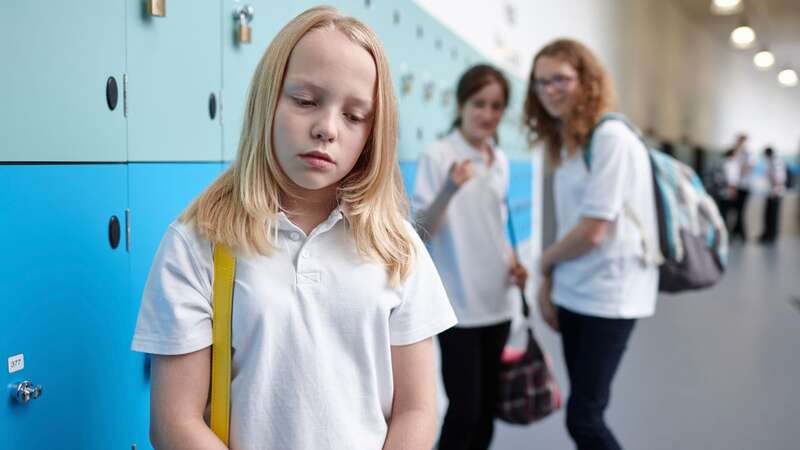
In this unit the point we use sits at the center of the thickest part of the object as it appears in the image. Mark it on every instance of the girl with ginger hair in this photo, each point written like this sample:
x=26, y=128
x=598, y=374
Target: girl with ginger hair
x=596, y=283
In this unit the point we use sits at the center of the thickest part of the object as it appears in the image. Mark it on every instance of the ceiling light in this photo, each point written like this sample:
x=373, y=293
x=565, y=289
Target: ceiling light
x=764, y=59
x=724, y=7
x=787, y=77
x=743, y=37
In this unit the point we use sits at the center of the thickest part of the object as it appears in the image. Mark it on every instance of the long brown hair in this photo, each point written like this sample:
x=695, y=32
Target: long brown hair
x=241, y=207
x=596, y=98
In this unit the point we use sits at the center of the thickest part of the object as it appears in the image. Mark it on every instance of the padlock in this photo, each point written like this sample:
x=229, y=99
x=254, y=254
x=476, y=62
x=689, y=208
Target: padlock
x=157, y=8
x=245, y=33
x=427, y=94
x=406, y=83
x=243, y=15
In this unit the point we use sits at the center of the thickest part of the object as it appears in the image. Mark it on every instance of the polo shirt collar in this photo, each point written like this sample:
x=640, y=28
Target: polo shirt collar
x=466, y=150
x=284, y=224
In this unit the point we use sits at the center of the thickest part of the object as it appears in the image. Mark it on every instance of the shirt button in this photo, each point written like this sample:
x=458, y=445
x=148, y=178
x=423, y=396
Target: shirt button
x=305, y=254
x=294, y=236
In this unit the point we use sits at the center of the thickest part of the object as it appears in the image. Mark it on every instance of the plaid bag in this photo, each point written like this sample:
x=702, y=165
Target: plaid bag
x=528, y=390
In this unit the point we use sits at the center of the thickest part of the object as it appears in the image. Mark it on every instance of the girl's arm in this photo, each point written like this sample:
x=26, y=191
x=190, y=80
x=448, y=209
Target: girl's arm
x=413, y=422
x=178, y=397
x=427, y=221
x=587, y=235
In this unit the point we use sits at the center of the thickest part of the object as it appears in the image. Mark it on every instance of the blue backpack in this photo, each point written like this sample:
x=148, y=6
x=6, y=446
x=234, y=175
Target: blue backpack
x=692, y=239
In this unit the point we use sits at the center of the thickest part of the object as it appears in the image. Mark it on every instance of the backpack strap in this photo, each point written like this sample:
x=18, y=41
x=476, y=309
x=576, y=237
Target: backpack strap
x=587, y=149
x=222, y=302
x=651, y=252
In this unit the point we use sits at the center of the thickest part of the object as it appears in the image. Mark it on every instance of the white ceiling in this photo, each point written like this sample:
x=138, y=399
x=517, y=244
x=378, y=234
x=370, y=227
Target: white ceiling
x=776, y=23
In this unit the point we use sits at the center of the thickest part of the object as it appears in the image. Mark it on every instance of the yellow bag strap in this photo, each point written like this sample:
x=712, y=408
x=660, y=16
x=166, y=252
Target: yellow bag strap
x=224, y=271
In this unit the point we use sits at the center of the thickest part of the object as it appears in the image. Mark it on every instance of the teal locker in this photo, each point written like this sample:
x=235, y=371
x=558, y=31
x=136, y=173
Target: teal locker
x=67, y=309
x=174, y=70
x=63, y=66
x=239, y=60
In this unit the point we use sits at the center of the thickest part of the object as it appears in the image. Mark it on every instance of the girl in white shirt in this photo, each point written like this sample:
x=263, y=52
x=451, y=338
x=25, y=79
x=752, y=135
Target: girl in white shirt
x=595, y=281
x=459, y=199
x=335, y=299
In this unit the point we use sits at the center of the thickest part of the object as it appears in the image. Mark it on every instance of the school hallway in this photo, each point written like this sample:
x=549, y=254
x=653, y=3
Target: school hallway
x=716, y=369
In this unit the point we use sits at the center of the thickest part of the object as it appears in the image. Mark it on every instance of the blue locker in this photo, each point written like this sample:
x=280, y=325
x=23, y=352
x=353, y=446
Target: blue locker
x=175, y=186
x=65, y=293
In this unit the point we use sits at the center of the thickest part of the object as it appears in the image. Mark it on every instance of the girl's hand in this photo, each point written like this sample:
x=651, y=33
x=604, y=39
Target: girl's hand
x=519, y=275
x=546, y=307
x=461, y=172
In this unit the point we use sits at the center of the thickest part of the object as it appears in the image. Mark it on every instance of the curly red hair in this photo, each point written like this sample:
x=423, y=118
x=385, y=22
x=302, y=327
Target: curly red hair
x=596, y=98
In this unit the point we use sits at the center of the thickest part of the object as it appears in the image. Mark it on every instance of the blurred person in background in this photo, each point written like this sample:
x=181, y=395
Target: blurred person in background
x=460, y=206
x=776, y=185
x=595, y=284
x=744, y=182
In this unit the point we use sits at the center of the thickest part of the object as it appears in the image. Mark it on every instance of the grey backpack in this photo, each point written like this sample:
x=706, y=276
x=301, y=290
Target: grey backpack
x=692, y=239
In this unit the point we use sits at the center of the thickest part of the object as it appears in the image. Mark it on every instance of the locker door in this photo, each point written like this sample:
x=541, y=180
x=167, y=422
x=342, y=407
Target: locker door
x=60, y=60
x=175, y=186
x=64, y=296
x=174, y=71
x=240, y=59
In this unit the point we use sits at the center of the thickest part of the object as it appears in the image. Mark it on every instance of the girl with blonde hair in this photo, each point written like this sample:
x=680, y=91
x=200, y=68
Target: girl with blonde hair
x=596, y=281
x=335, y=299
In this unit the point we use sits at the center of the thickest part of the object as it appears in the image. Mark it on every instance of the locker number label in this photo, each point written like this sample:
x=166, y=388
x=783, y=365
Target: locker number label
x=16, y=363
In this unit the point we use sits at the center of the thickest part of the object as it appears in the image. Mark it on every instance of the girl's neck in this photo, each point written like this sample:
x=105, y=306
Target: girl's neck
x=480, y=145
x=309, y=208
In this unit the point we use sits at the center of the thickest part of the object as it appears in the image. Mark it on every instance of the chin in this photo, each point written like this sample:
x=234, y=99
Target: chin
x=555, y=113
x=314, y=184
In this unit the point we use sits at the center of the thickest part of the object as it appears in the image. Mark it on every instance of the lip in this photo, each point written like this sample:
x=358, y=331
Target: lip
x=318, y=159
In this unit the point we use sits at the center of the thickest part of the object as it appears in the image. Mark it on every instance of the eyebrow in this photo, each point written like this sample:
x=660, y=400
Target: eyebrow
x=315, y=88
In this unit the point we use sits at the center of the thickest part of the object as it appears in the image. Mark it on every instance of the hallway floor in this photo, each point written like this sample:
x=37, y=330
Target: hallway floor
x=718, y=369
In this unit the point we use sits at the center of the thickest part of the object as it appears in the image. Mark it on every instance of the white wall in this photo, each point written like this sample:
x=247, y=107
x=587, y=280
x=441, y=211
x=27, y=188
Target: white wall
x=672, y=73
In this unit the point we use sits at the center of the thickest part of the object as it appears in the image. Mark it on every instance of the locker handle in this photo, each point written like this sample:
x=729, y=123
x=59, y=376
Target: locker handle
x=25, y=391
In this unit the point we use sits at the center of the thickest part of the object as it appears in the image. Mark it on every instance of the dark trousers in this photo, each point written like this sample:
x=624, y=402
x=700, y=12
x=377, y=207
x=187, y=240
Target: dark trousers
x=470, y=371
x=739, y=205
x=771, y=218
x=593, y=348
x=725, y=206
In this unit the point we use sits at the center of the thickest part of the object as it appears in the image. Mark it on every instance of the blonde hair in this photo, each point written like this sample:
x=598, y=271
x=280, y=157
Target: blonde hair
x=597, y=98
x=241, y=207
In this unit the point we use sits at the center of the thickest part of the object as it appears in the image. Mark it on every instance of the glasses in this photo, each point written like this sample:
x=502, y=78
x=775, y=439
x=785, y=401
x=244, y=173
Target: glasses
x=559, y=82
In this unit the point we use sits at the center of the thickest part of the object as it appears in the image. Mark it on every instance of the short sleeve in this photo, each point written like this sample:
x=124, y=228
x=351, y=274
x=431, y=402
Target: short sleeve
x=608, y=173
x=425, y=310
x=175, y=312
x=428, y=181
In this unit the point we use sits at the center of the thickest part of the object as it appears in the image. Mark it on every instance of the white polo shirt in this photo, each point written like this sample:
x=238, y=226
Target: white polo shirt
x=611, y=281
x=313, y=327
x=469, y=248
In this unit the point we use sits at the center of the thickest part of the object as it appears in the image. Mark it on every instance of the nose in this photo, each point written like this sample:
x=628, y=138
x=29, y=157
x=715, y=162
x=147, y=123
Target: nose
x=324, y=128
x=551, y=89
